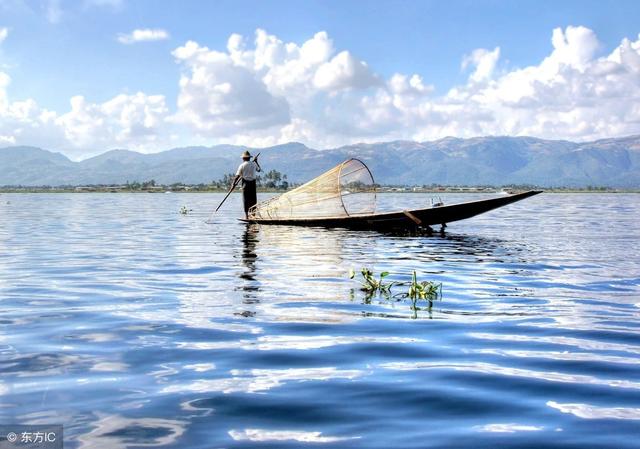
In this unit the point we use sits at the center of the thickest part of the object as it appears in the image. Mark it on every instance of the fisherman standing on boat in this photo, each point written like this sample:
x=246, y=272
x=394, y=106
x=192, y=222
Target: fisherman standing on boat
x=247, y=173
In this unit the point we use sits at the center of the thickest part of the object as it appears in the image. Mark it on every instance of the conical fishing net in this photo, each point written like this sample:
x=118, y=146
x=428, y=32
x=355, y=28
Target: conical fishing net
x=346, y=190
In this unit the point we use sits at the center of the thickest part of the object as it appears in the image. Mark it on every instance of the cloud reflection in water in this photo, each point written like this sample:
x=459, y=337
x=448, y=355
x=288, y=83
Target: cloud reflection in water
x=262, y=435
x=118, y=432
x=489, y=368
x=286, y=342
x=260, y=380
x=507, y=428
x=586, y=411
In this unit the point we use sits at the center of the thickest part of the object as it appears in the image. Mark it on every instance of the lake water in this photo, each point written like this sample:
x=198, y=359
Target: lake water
x=135, y=326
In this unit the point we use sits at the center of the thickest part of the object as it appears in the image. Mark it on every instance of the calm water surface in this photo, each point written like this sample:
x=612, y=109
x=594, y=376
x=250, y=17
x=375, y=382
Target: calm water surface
x=135, y=326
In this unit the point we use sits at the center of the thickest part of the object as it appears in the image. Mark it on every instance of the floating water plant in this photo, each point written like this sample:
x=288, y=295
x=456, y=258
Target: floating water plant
x=416, y=290
x=370, y=284
x=427, y=290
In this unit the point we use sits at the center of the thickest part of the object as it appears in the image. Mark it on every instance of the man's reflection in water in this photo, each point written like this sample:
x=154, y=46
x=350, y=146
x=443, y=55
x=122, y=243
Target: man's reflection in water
x=250, y=238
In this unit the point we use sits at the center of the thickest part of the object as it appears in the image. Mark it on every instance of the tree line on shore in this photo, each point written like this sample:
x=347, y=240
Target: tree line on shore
x=274, y=180
x=271, y=180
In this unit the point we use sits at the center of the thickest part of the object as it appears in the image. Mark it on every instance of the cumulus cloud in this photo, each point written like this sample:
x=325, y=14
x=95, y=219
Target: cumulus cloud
x=263, y=91
x=143, y=35
x=131, y=121
x=484, y=62
x=24, y=122
x=220, y=97
x=412, y=86
x=343, y=72
x=124, y=120
x=576, y=47
x=268, y=90
x=4, y=32
x=571, y=94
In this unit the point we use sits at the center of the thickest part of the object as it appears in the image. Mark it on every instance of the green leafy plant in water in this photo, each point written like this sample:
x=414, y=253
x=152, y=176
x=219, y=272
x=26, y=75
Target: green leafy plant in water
x=426, y=290
x=418, y=290
x=371, y=285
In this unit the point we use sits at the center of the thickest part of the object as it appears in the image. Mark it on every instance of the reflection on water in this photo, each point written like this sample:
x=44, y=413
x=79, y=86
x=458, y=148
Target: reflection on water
x=593, y=412
x=250, y=238
x=489, y=368
x=562, y=341
x=295, y=342
x=507, y=428
x=259, y=380
x=117, y=432
x=135, y=326
x=260, y=435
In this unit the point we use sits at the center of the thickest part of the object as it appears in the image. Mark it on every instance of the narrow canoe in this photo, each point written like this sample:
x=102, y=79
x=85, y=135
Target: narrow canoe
x=407, y=219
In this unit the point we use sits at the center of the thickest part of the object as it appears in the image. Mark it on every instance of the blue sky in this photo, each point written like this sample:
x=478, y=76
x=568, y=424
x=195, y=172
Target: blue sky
x=55, y=50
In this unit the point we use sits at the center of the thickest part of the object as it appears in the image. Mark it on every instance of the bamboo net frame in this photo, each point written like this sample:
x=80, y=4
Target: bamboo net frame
x=347, y=189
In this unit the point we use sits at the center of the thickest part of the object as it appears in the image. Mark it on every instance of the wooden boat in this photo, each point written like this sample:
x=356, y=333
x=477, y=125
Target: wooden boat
x=345, y=197
x=405, y=219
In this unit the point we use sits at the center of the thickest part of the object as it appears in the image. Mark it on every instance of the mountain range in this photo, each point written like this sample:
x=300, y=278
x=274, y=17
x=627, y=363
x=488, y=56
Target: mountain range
x=450, y=161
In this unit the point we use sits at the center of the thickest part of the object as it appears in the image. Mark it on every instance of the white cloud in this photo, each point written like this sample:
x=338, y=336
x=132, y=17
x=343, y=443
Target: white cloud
x=484, y=62
x=576, y=47
x=269, y=92
x=126, y=120
x=570, y=94
x=130, y=121
x=219, y=97
x=403, y=85
x=285, y=68
x=143, y=35
x=4, y=32
x=343, y=72
x=25, y=123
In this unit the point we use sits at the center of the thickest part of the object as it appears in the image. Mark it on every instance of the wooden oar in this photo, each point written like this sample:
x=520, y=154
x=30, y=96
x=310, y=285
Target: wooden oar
x=235, y=183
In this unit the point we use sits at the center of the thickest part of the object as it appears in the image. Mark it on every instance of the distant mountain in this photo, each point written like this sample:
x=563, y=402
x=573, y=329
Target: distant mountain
x=33, y=166
x=449, y=161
